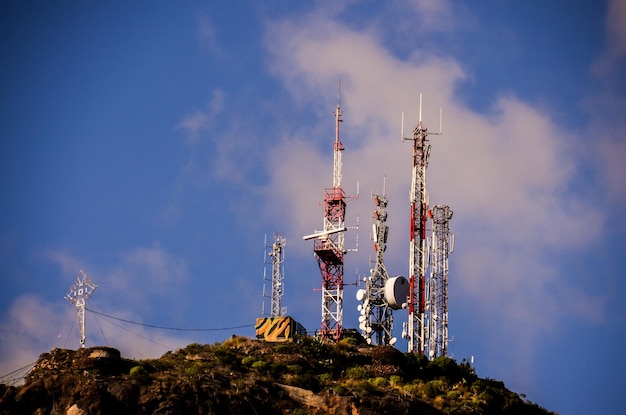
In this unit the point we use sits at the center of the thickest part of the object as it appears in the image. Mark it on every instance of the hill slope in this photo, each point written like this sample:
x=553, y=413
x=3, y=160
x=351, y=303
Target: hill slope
x=244, y=376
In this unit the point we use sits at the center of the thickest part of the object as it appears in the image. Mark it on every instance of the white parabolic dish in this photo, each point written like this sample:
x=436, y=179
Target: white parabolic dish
x=396, y=292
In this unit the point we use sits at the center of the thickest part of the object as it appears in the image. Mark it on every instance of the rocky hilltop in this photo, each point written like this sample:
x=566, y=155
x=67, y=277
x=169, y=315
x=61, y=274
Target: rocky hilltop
x=244, y=376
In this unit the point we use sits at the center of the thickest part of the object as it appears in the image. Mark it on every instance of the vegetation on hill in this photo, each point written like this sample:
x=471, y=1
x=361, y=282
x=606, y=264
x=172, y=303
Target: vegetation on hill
x=244, y=376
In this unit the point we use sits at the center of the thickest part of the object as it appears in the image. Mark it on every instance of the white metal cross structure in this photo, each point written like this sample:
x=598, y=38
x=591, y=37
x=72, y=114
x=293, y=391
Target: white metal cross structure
x=78, y=294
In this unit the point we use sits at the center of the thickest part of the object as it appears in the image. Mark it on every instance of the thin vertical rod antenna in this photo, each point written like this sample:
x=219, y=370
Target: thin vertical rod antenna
x=440, y=121
x=420, y=118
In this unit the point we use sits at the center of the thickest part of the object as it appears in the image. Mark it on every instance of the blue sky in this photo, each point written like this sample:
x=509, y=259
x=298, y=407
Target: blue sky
x=154, y=145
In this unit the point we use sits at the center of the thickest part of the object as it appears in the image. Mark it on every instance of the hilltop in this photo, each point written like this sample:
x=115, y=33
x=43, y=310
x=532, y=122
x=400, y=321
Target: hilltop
x=244, y=376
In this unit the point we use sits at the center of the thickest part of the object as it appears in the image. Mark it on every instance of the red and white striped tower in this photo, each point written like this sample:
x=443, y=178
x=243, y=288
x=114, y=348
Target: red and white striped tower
x=329, y=245
x=414, y=330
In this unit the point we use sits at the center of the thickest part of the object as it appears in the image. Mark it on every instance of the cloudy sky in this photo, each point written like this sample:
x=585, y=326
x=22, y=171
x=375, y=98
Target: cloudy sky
x=154, y=146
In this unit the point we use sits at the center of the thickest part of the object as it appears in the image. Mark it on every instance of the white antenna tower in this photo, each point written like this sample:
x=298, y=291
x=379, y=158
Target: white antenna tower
x=414, y=329
x=277, y=255
x=376, y=319
x=441, y=245
x=78, y=294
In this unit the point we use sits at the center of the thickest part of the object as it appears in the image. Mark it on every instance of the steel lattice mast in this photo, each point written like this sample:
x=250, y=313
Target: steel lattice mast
x=277, y=254
x=376, y=314
x=329, y=245
x=78, y=294
x=414, y=330
x=441, y=245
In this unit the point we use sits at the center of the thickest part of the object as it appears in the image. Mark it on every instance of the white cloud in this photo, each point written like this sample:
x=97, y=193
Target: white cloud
x=434, y=15
x=507, y=175
x=207, y=35
x=30, y=327
x=615, y=50
x=607, y=105
x=200, y=120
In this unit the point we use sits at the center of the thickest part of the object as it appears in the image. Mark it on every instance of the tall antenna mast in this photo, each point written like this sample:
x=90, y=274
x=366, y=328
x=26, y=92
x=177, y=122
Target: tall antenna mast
x=78, y=294
x=329, y=246
x=277, y=255
x=442, y=244
x=376, y=320
x=414, y=329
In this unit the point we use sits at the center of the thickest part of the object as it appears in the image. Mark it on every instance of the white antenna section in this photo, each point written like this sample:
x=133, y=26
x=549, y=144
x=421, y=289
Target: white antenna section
x=420, y=112
x=403, y=138
x=277, y=253
x=82, y=289
x=324, y=234
x=441, y=245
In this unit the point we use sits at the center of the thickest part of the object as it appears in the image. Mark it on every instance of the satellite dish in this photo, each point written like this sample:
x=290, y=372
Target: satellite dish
x=396, y=292
x=369, y=329
x=359, y=307
x=393, y=341
x=363, y=311
x=362, y=326
x=361, y=319
x=360, y=294
x=369, y=340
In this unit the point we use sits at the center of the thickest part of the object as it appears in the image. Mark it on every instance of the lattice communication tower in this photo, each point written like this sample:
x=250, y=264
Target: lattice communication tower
x=376, y=320
x=277, y=256
x=329, y=245
x=414, y=329
x=441, y=245
x=78, y=294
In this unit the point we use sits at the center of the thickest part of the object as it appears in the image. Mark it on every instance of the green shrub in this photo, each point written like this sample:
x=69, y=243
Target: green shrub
x=453, y=395
x=277, y=369
x=395, y=380
x=282, y=349
x=194, y=368
x=443, y=366
x=348, y=341
x=137, y=372
x=325, y=377
x=379, y=382
x=414, y=390
x=248, y=361
x=260, y=366
x=234, y=341
x=357, y=372
x=434, y=388
x=365, y=386
x=226, y=356
x=340, y=390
